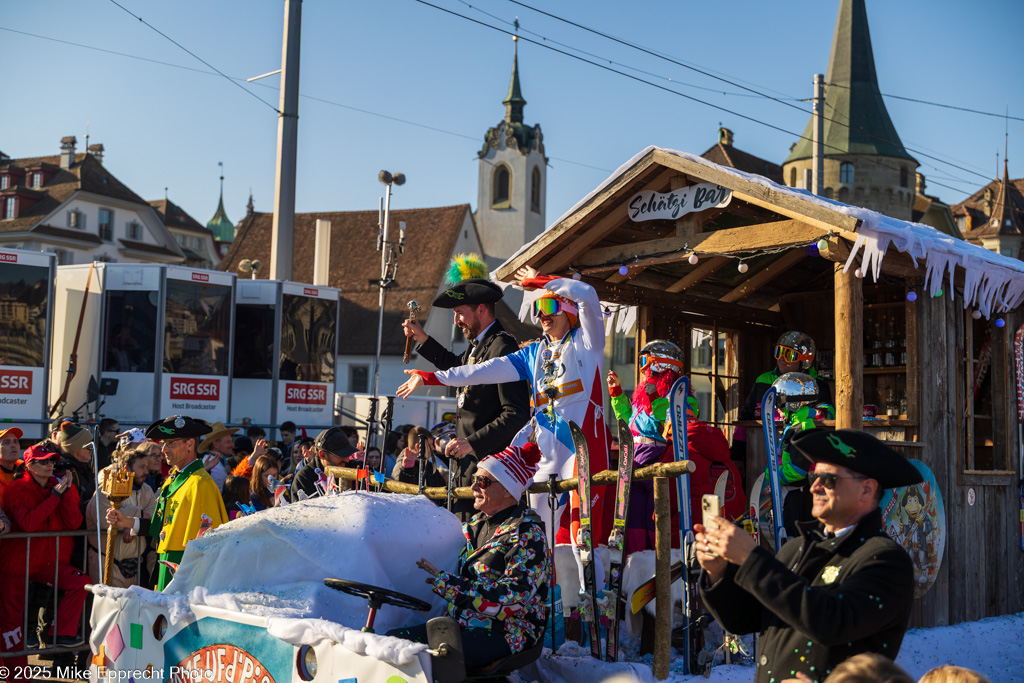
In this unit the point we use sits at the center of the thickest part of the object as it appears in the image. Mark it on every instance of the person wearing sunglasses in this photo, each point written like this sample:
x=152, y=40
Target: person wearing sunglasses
x=498, y=594
x=794, y=352
x=564, y=371
x=840, y=588
x=488, y=416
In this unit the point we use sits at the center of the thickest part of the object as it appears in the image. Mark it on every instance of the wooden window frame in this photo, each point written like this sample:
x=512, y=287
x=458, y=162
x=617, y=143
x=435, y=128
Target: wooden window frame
x=1000, y=377
x=505, y=203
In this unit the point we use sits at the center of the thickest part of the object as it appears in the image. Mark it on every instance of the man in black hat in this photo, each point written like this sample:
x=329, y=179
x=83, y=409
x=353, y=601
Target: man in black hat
x=333, y=448
x=188, y=494
x=489, y=415
x=841, y=588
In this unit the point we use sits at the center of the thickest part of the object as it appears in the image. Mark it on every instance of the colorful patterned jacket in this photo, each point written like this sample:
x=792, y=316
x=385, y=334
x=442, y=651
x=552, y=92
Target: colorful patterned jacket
x=504, y=583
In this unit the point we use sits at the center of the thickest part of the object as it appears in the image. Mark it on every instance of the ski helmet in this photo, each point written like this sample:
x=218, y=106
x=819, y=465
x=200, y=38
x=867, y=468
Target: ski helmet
x=796, y=346
x=660, y=355
x=443, y=432
x=796, y=390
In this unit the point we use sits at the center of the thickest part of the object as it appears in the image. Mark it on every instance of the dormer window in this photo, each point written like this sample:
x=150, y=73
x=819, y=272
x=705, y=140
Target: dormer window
x=37, y=179
x=134, y=231
x=9, y=208
x=76, y=219
x=5, y=182
x=106, y=227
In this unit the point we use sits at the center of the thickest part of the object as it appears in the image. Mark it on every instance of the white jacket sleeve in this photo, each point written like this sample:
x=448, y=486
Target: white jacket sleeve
x=493, y=371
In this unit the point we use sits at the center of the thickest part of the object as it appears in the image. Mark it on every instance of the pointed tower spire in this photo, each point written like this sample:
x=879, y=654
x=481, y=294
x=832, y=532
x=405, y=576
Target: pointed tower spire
x=852, y=96
x=1006, y=219
x=514, y=101
x=220, y=225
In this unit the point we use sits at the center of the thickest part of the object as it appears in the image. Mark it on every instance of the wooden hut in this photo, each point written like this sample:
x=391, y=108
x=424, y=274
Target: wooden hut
x=668, y=231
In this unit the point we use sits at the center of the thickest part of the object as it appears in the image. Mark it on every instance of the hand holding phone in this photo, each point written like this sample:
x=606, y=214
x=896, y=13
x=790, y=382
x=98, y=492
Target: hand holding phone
x=710, y=506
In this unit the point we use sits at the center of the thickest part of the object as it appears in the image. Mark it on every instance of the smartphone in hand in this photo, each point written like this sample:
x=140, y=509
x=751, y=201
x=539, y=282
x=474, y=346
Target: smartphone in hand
x=710, y=506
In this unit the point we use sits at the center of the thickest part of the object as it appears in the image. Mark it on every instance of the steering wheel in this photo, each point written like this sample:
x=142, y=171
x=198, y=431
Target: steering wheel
x=377, y=596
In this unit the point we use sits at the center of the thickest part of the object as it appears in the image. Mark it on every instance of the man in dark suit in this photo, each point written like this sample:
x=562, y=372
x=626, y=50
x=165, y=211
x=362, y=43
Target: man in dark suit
x=489, y=415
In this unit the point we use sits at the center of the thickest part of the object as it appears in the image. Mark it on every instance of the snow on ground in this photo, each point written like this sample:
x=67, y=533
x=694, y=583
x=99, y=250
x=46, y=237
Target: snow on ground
x=990, y=646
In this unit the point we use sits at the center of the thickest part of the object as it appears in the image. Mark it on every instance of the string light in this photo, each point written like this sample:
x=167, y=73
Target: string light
x=976, y=314
x=822, y=244
x=1000, y=322
x=577, y=275
x=693, y=259
x=742, y=267
x=623, y=270
x=859, y=273
x=911, y=295
x=937, y=294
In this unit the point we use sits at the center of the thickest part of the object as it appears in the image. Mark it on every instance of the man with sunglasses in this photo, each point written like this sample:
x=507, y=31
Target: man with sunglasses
x=488, y=415
x=794, y=352
x=564, y=372
x=840, y=588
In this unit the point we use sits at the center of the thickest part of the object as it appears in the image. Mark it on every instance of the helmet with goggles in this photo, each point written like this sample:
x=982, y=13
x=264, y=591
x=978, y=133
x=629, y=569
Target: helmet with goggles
x=550, y=303
x=796, y=390
x=794, y=347
x=661, y=355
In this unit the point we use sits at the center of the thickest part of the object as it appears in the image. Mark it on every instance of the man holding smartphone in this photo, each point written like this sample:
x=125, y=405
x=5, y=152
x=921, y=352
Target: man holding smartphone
x=840, y=588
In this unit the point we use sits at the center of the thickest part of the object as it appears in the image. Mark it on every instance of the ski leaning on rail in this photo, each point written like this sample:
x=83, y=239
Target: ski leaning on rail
x=680, y=392
x=589, y=611
x=617, y=540
x=771, y=446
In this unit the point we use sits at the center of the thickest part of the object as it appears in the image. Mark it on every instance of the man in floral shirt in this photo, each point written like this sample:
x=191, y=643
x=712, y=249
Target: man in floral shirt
x=499, y=593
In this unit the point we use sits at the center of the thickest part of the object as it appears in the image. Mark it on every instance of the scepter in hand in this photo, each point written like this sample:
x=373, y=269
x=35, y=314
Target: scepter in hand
x=116, y=487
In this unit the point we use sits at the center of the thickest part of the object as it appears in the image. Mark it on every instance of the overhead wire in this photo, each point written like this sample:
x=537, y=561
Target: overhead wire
x=654, y=85
x=730, y=82
x=935, y=104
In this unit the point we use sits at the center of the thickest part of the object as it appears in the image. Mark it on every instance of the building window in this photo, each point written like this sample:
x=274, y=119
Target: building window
x=9, y=207
x=181, y=240
x=792, y=177
x=358, y=379
x=5, y=182
x=76, y=219
x=714, y=373
x=195, y=242
x=106, y=227
x=134, y=231
x=535, y=190
x=988, y=401
x=624, y=349
x=904, y=176
x=501, y=189
x=961, y=222
x=846, y=172
x=37, y=179
x=808, y=179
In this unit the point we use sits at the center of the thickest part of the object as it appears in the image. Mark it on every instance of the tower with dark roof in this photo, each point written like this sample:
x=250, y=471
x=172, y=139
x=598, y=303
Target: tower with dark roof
x=220, y=225
x=512, y=184
x=865, y=161
x=994, y=215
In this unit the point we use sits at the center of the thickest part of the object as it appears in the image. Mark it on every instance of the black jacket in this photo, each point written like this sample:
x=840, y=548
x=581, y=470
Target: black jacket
x=820, y=601
x=491, y=414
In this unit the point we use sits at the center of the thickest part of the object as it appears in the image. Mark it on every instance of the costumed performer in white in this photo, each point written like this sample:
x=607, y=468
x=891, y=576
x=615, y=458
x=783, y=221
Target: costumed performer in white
x=564, y=372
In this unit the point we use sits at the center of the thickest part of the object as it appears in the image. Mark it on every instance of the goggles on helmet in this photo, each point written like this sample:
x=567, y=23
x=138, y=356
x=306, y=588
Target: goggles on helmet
x=657, y=364
x=791, y=355
x=547, y=306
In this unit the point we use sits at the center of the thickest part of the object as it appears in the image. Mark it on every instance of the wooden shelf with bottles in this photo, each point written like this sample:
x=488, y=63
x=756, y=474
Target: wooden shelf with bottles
x=886, y=350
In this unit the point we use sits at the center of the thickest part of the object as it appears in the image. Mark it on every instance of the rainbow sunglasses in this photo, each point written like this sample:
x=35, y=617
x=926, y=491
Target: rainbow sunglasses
x=660, y=364
x=791, y=355
x=547, y=306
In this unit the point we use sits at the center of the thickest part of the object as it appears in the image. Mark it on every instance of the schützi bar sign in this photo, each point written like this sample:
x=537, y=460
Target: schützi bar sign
x=649, y=205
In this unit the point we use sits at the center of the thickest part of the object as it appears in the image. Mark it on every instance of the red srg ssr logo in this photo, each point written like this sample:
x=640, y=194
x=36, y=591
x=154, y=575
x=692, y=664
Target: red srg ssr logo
x=9, y=258
x=200, y=277
x=310, y=291
x=15, y=382
x=308, y=394
x=195, y=389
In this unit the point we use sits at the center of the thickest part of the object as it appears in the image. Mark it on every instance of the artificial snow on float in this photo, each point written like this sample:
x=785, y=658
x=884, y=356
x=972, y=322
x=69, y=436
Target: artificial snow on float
x=249, y=594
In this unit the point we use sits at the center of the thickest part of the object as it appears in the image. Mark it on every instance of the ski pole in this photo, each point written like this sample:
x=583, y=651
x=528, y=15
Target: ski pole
x=553, y=506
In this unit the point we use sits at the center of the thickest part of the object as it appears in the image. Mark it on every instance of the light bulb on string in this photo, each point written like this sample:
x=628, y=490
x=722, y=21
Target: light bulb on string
x=976, y=314
x=822, y=244
x=623, y=270
x=577, y=275
x=1000, y=322
x=911, y=295
x=859, y=273
x=742, y=267
x=937, y=294
x=693, y=259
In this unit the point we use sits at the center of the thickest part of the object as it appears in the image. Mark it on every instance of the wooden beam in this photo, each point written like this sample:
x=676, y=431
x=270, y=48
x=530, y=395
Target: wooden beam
x=640, y=296
x=600, y=230
x=702, y=272
x=849, y=358
x=728, y=241
x=765, y=275
x=764, y=196
x=551, y=239
x=662, y=579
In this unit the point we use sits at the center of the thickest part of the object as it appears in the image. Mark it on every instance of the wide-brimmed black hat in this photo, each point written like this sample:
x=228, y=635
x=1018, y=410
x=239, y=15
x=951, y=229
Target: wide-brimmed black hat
x=469, y=293
x=177, y=427
x=335, y=441
x=859, y=452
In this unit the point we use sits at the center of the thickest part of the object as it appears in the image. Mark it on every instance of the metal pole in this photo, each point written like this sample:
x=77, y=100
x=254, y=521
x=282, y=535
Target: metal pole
x=384, y=247
x=818, y=136
x=282, y=244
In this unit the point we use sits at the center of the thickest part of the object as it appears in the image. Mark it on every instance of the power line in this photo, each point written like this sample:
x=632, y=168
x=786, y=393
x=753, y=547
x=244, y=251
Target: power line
x=313, y=98
x=733, y=83
x=228, y=78
x=934, y=104
x=659, y=87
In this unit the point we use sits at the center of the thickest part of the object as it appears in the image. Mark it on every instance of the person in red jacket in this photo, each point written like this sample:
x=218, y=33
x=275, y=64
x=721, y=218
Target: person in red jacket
x=39, y=501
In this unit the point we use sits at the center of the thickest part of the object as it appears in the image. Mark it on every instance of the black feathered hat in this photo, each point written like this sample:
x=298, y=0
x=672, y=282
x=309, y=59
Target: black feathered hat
x=178, y=427
x=467, y=284
x=859, y=452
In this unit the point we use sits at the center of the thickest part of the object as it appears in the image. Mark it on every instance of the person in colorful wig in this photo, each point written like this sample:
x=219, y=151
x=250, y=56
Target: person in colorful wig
x=564, y=372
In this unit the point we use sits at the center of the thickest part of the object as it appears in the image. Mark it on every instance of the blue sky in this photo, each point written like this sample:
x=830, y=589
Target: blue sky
x=444, y=77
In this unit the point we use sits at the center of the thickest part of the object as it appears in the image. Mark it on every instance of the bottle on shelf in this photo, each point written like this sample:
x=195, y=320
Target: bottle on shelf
x=903, y=404
x=902, y=343
x=890, y=342
x=876, y=346
x=890, y=403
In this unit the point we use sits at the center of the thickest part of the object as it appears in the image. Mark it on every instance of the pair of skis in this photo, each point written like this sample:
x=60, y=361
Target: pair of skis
x=771, y=445
x=589, y=607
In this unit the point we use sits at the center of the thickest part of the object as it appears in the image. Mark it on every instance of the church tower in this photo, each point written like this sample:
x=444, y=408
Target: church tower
x=220, y=225
x=865, y=162
x=512, y=185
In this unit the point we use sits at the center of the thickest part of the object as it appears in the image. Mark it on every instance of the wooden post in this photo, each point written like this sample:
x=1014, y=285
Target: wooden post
x=663, y=578
x=849, y=359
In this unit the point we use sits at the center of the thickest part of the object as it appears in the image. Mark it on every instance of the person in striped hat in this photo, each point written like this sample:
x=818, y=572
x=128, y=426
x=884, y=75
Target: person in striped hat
x=499, y=592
